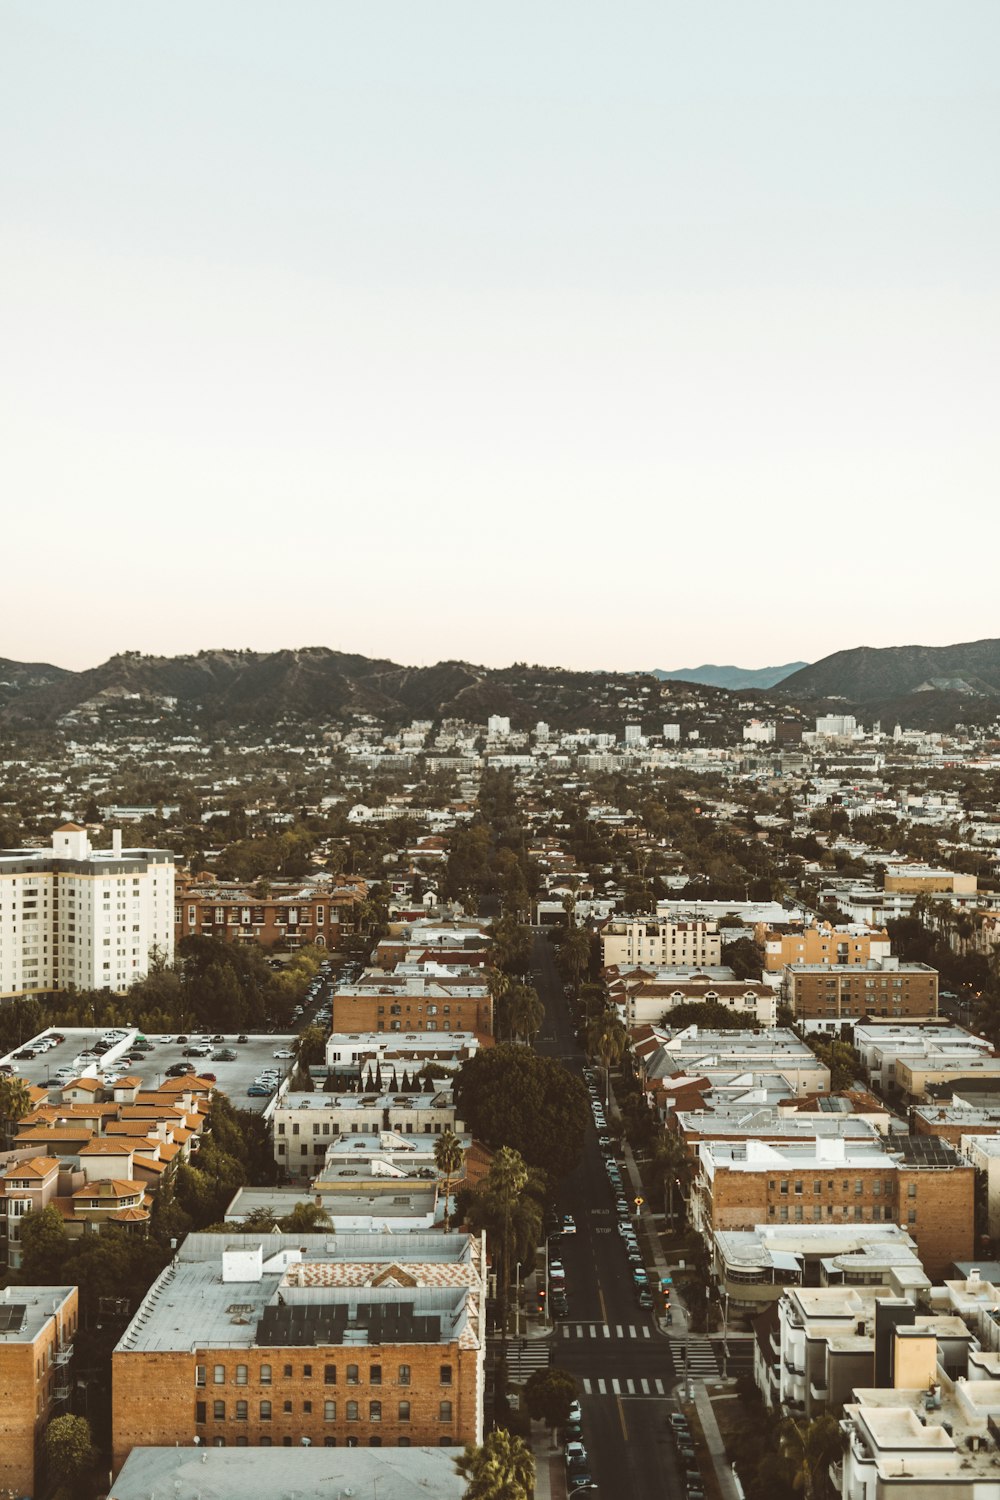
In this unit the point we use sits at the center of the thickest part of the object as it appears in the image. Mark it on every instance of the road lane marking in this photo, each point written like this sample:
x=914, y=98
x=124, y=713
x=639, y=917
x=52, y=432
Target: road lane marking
x=618, y=1331
x=616, y=1387
x=660, y=1391
x=604, y=1310
x=645, y=1387
x=645, y=1332
x=586, y=1388
x=602, y=1387
x=621, y=1414
x=606, y=1331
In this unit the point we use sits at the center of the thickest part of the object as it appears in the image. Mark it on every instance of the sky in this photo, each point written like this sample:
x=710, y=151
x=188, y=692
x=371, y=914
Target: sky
x=610, y=335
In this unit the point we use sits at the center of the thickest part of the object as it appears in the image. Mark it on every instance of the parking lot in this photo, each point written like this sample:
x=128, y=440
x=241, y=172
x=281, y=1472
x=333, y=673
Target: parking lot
x=233, y=1078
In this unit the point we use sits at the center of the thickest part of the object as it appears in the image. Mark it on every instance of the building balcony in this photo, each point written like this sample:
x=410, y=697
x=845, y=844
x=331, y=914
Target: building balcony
x=63, y=1354
x=818, y=1392
x=60, y=1391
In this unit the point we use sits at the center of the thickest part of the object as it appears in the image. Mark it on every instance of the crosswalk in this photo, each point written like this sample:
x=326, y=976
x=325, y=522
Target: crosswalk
x=696, y=1352
x=624, y=1386
x=524, y=1357
x=604, y=1331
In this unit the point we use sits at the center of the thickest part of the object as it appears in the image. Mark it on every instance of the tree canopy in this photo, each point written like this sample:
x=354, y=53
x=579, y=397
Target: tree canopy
x=509, y=1096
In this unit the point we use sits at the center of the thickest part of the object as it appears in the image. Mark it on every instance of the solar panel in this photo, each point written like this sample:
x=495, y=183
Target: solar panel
x=12, y=1317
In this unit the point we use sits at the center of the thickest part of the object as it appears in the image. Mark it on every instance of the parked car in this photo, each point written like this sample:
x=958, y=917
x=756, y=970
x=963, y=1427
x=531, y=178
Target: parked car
x=179, y=1070
x=576, y=1457
x=568, y=1224
x=284, y=1052
x=258, y=1091
x=242, y=1038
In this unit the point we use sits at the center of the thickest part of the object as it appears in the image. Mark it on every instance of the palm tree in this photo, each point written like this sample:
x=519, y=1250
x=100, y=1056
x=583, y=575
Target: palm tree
x=449, y=1156
x=810, y=1448
x=673, y=1163
x=501, y=1193
x=15, y=1102
x=305, y=1218
x=606, y=1039
x=501, y=1469
x=525, y=1012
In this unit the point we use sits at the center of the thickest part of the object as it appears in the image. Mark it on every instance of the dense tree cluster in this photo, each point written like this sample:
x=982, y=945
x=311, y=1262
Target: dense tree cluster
x=509, y=1096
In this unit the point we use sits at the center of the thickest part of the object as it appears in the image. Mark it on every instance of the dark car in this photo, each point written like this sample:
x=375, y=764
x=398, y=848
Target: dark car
x=224, y=1054
x=182, y=1039
x=242, y=1038
x=179, y=1070
x=25, y=1054
x=217, y=1038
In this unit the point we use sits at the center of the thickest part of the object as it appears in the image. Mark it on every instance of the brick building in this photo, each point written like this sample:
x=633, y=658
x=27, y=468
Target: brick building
x=409, y=1002
x=823, y=995
x=918, y=1183
x=37, y=1327
x=261, y=1340
x=291, y=915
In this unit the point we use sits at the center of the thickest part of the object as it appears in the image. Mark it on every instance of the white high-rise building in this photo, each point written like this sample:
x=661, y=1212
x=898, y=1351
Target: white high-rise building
x=672, y=733
x=82, y=918
x=759, y=732
x=497, y=726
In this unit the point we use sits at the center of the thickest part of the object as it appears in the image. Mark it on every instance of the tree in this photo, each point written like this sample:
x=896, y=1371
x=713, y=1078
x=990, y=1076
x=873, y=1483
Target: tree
x=503, y=1186
x=305, y=1218
x=502, y=1468
x=524, y=1012
x=69, y=1453
x=606, y=1039
x=548, y=1394
x=673, y=1164
x=15, y=1101
x=509, y=1096
x=449, y=1156
x=809, y=1448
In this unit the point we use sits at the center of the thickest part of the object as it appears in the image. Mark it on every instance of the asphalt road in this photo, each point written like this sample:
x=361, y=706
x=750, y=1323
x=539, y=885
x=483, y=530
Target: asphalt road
x=613, y=1349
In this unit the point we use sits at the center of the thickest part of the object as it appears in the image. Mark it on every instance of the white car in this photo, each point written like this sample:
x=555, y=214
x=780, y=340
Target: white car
x=284, y=1052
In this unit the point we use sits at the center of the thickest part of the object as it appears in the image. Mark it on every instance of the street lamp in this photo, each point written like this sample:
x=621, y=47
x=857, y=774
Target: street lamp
x=582, y=1489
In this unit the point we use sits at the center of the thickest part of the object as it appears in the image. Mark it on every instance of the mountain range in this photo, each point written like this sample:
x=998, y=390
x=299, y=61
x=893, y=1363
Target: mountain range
x=922, y=686
x=733, y=678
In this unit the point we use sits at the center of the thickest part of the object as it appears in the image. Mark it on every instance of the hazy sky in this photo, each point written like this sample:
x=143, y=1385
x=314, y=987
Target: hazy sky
x=615, y=334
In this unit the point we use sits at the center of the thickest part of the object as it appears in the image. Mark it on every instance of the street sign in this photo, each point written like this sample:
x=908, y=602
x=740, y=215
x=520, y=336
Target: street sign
x=639, y=1202
x=666, y=1281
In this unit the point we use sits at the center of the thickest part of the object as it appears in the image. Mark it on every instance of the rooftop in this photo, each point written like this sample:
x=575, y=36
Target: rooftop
x=25, y=1310
x=309, y=1473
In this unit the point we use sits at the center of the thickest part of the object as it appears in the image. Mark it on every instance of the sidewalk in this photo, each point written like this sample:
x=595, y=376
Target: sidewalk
x=714, y=1443
x=550, y=1479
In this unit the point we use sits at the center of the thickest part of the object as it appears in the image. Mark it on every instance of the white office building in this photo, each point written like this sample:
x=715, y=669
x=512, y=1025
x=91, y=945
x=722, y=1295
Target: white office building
x=73, y=917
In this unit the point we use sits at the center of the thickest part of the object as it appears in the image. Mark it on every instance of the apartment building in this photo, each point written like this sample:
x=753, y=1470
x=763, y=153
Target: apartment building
x=647, y=995
x=75, y=917
x=261, y=1340
x=659, y=940
x=822, y=996
x=303, y=1125
x=882, y=1046
x=291, y=914
x=822, y=944
x=741, y=1059
x=918, y=1183
x=414, y=1001
x=37, y=1328
x=371, y=1056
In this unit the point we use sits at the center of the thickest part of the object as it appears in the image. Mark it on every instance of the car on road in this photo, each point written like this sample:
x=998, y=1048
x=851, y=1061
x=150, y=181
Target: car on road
x=242, y=1038
x=568, y=1224
x=644, y=1297
x=284, y=1052
x=576, y=1458
x=575, y=1412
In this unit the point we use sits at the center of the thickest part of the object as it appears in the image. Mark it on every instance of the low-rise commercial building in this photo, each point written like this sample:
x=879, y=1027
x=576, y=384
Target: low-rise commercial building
x=754, y=1266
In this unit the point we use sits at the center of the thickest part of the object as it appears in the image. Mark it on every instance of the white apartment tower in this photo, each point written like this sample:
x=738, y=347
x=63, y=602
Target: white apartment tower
x=73, y=917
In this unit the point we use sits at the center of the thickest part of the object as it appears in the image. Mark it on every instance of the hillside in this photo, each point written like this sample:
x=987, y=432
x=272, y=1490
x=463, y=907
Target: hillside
x=734, y=679
x=222, y=687
x=869, y=675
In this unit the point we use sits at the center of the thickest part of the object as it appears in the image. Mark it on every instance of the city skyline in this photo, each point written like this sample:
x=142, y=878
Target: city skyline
x=600, y=337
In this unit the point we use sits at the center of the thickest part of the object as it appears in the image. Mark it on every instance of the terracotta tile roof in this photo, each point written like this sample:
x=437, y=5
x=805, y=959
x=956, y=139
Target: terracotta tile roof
x=148, y=1164
x=89, y=1085
x=105, y=1147
x=109, y=1187
x=35, y=1166
x=130, y=1215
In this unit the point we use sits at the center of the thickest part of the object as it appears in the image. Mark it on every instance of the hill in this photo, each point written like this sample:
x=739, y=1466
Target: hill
x=222, y=687
x=870, y=675
x=731, y=678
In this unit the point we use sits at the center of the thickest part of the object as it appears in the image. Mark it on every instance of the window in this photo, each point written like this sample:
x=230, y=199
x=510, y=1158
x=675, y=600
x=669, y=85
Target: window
x=374, y=1411
x=219, y=1374
x=329, y=1442
x=307, y=1407
x=307, y=1372
x=784, y=1186
x=375, y=1375
x=329, y=1411
x=444, y=1411
x=404, y=1411
x=219, y=1411
x=241, y=1411
x=446, y=1374
x=352, y=1375
x=329, y=1374
x=798, y=1187
x=404, y=1374
x=859, y=1186
x=199, y=1374
x=287, y=1372
x=241, y=1374
x=265, y=1374
x=265, y=1411
x=200, y=1413
x=352, y=1411
x=859, y=1213
x=911, y=1216
x=287, y=1408
x=911, y=1190
x=817, y=1189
